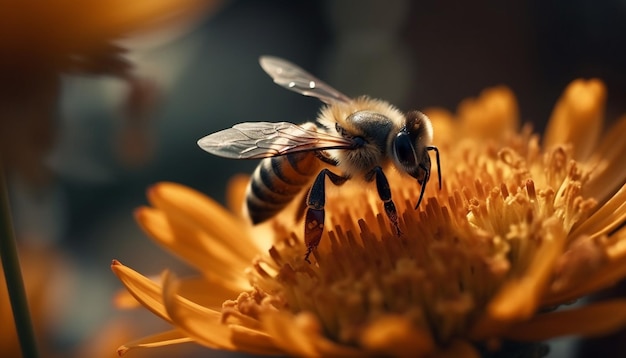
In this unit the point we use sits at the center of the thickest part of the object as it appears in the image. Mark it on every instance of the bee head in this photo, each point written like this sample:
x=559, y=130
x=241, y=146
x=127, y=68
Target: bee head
x=409, y=146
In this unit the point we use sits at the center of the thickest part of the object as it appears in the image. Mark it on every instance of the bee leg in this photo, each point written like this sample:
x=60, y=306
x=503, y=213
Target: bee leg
x=314, y=219
x=384, y=193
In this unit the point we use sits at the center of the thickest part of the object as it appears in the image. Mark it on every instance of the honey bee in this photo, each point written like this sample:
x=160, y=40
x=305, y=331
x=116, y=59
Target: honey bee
x=357, y=136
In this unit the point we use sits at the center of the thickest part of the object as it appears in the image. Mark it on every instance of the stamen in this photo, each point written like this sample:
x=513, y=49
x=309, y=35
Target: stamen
x=504, y=191
x=530, y=189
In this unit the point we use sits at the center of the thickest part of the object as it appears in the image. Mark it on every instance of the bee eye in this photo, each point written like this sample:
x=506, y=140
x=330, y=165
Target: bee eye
x=404, y=150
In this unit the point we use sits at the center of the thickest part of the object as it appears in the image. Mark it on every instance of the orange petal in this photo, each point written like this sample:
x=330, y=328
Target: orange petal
x=204, y=325
x=181, y=201
x=146, y=291
x=195, y=247
x=68, y=26
x=593, y=320
x=236, y=194
x=607, y=275
x=194, y=289
x=206, y=293
x=289, y=338
x=115, y=17
x=519, y=297
x=578, y=117
x=606, y=218
x=154, y=341
x=301, y=335
x=396, y=336
x=490, y=115
x=254, y=340
x=608, y=164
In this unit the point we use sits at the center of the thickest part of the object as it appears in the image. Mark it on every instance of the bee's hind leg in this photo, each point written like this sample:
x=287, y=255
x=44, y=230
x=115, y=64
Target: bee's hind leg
x=314, y=219
x=384, y=193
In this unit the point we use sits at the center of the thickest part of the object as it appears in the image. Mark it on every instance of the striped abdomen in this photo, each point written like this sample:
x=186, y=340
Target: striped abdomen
x=276, y=181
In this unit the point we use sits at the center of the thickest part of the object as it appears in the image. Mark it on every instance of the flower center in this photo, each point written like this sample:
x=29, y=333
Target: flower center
x=499, y=206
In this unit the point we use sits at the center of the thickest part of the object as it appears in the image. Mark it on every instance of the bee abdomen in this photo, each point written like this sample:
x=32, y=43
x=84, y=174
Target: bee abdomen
x=276, y=181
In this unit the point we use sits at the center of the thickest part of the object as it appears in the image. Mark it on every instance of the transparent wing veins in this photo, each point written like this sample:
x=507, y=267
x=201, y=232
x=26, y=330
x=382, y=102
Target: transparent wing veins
x=255, y=140
x=294, y=78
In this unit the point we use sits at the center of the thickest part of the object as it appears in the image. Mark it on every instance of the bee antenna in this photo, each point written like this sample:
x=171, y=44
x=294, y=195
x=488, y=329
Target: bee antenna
x=419, y=201
x=427, y=171
x=433, y=148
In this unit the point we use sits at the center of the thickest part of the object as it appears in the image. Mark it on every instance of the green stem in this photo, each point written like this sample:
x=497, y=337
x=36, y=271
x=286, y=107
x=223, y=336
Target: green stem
x=13, y=275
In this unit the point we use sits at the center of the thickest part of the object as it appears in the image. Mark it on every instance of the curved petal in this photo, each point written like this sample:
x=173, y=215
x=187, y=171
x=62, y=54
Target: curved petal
x=146, y=291
x=578, y=117
x=293, y=341
x=593, y=320
x=608, y=164
x=215, y=261
x=254, y=340
x=194, y=289
x=300, y=335
x=205, y=293
x=492, y=114
x=520, y=297
x=606, y=218
x=204, y=325
x=607, y=275
x=154, y=341
x=180, y=201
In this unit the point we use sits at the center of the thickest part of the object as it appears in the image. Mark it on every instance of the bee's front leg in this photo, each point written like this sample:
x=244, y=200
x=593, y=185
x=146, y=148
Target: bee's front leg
x=384, y=193
x=314, y=219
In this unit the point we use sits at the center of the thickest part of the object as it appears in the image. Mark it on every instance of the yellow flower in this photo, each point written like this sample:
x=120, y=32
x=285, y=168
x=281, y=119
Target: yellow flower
x=519, y=227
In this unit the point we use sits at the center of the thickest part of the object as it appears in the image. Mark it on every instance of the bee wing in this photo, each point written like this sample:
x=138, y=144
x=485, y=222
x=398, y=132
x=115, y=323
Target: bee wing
x=296, y=79
x=254, y=140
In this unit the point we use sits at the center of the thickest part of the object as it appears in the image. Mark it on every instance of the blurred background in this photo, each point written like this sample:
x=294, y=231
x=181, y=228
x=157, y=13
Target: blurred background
x=113, y=137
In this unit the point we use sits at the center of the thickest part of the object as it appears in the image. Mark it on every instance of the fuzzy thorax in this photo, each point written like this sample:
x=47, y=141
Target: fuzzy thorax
x=371, y=119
